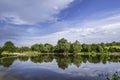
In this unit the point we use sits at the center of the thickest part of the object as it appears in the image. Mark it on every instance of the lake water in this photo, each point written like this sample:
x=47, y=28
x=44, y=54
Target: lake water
x=59, y=67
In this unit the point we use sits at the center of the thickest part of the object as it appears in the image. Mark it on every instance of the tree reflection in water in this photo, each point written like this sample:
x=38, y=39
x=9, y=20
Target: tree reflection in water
x=62, y=61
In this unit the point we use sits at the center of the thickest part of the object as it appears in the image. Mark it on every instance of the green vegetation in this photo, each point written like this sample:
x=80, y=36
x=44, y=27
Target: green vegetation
x=9, y=47
x=76, y=47
x=114, y=77
x=63, y=46
x=5, y=53
x=1, y=50
x=30, y=53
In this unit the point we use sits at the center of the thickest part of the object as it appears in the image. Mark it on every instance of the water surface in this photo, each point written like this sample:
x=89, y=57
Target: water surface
x=59, y=67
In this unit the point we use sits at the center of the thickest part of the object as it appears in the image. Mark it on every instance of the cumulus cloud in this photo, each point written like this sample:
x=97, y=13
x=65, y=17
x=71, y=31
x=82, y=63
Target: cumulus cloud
x=32, y=11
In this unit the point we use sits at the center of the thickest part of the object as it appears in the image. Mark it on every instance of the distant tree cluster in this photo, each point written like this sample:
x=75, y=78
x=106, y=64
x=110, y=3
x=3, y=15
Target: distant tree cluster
x=63, y=46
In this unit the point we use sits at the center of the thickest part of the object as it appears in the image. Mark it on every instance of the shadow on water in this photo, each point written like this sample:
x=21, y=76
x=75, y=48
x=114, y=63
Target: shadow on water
x=62, y=61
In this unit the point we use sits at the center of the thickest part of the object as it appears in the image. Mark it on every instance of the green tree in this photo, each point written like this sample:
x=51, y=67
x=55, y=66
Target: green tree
x=9, y=47
x=24, y=48
x=37, y=47
x=99, y=49
x=76, y=47
x=63, y=46
x=86, y=48
x=48, y=48
x=1, y=50
x=41, y=48
x=113, y=43
x=94, y=48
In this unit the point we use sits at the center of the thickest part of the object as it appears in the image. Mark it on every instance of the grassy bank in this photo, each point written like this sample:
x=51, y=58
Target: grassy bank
x=34, y=53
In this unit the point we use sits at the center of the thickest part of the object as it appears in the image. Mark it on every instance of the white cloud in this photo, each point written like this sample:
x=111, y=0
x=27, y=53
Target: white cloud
x=12, y=19
x=106, y=29
x=95, y=33
x=84, y=35
x=32, y=11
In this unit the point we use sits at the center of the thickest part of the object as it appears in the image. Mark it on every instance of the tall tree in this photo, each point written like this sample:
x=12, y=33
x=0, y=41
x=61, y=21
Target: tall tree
x=9, y=47
x=48, y=48
x=1, y=50
x=24, y=48
x=76, y=47
x=37, y=47
x=99, y=49
x=63, y=46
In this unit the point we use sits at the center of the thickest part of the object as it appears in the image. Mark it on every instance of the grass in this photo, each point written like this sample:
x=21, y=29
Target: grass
x=30, y=53
x=116, y=47
x=27, y=53
x=6, y=53
x=113, y=47
x=35, y=53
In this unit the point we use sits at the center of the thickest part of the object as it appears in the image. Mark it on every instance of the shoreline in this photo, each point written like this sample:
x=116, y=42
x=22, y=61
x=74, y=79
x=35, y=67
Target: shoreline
x=65, y=54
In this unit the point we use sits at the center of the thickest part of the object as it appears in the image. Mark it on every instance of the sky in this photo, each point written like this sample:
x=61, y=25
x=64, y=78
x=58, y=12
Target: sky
x=26, y=22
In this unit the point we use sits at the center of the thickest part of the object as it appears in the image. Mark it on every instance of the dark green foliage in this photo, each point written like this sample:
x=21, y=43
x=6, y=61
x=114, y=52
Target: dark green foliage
x=24, y=49
x=76, y=47
x=48, y=48
x=99, y=49
x=113, y=49
x=113, y=44
x=86, y=48
x=9, y=47
x=114, y=77
x=1, y=50
x=7, y=62
x=37, y=47
x=23, y=58
x=63, y=46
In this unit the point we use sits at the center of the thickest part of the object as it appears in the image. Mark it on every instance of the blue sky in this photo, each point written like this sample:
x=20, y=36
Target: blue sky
x=26, y=22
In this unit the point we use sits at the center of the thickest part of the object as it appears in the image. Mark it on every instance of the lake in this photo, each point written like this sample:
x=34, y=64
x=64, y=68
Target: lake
x=59, y=67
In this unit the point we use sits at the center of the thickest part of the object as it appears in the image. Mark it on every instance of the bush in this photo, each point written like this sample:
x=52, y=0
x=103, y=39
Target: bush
x=114, y=77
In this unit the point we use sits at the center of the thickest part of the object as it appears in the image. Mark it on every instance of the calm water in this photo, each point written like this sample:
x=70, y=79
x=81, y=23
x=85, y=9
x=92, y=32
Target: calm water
x=58, y=67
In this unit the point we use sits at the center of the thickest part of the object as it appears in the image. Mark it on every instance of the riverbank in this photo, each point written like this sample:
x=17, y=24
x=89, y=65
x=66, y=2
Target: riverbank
x=29, y=54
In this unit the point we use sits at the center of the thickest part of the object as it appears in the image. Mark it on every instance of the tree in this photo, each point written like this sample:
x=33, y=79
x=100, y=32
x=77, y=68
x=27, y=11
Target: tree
x=37, y=47
x=114, y=49
x=48, y=48
x=76, y=47
x=99, y=49
x=9, y=47
x=41, y=48
x=63, y=46
x=24, y=48
x=94, y=47
x=113, y=43
x=1, y=50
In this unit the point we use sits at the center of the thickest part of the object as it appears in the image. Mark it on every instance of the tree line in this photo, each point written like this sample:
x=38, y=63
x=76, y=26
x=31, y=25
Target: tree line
x=63, y=46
